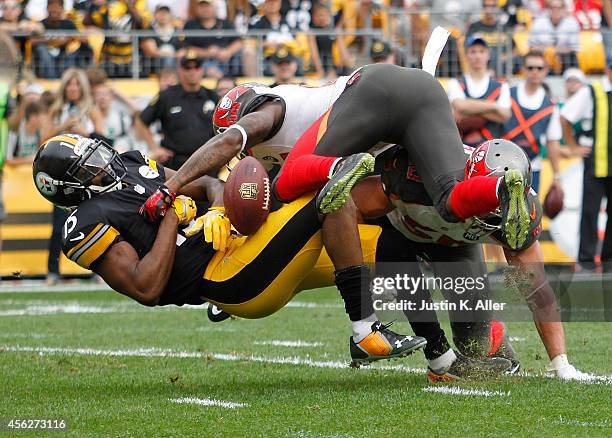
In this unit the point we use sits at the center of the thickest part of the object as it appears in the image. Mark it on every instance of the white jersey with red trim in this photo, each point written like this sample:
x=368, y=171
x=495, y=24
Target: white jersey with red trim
x=303, y=106
x=423, y=223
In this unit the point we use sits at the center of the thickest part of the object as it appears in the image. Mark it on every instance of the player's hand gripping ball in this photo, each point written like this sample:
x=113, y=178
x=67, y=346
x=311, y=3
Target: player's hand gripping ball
x=158, y=203
x=216, y=226
x=246, y=196
x=185, y=209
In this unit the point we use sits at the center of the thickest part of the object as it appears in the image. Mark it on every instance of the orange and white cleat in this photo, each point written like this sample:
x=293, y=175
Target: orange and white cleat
x=383, y=343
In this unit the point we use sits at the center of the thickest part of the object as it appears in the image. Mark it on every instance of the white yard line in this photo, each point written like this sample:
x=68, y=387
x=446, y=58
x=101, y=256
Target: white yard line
x=453, y=390
x=35, y=310
x=578, y=423
x=279, y=360
x=208, y=402
x=517, y=339
x=279, y=343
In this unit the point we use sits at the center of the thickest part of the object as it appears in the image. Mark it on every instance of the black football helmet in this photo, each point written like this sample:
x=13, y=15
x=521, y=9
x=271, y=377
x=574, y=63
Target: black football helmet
x=66, y=165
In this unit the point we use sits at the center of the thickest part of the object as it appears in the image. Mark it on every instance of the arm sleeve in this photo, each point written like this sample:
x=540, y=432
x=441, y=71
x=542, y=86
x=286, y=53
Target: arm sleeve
x=554, y=132
x=84, y=245
x=454, y=90
x=504, y=97
x=577, y=106
x=152, y=112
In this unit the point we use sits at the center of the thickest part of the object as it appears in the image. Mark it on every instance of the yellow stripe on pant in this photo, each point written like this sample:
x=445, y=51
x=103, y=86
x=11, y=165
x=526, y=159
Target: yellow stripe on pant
x=244, y=250
x=309, y=268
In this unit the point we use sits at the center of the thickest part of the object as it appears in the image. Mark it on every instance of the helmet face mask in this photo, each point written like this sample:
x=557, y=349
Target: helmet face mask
x=67, y=166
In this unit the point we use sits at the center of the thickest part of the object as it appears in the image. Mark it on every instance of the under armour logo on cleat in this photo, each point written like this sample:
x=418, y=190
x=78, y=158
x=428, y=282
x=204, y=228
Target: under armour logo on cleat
x=398, y=344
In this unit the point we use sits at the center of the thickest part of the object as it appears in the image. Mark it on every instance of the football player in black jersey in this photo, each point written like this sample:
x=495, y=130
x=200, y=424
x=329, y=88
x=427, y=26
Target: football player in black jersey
x=162, y=263
x=399, y=192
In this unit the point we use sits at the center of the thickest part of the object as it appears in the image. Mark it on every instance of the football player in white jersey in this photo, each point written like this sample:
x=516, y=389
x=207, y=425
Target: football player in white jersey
x=399, y=192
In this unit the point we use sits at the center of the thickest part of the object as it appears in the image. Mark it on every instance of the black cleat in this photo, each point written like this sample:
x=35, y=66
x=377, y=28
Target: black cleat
x=381, y=344
x=215, y=314
x=465, y=367
x=348, y=172
x=514, y=208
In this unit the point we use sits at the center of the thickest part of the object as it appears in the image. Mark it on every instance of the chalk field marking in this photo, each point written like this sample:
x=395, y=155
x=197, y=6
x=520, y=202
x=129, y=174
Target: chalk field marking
x=578, y=423
x=517, y=339
x=280, y=360
x=57, y=309
x=452, y=390
x=208, y=402
x=299, y=344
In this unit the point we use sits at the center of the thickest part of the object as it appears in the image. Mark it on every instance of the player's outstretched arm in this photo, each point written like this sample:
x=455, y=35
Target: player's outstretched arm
x=205, y=188
x=142, y=279
x=540, y=298
x=220, y=149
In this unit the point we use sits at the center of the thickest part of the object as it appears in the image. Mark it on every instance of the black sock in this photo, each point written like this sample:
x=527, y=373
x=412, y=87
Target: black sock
x=354, y=286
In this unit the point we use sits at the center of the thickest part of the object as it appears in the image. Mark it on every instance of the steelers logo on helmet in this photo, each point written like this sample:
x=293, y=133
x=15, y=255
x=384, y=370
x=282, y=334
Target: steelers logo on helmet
x=45, y=184
x=66, y=166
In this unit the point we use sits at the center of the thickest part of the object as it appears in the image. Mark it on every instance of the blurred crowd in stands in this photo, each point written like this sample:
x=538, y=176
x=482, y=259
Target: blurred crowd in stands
x=238, y=37
x=499, y=56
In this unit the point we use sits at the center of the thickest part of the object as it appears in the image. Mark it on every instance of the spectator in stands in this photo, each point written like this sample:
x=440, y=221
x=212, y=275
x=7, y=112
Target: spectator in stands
x=239, y=13
x=13, y=21
x=185, y=112
x=116, y=122
x=480, y=102
x=160, y=51
x=52, y=55
x=220, y=54
x=535, y=125
x=297, y=14
x=224, y=85
x=381, y=53
x=574, y=79
x=73, y=112
x=588, y=13
x=284, y=66
x=278, y=33
x=594, y=145
x=122, y=16
x=557, y=33
x=168, y=77
x=321, y=46
x=26, y=93
x=455, y=15
x=179, y=9
x=24, y=142
x=493, y=31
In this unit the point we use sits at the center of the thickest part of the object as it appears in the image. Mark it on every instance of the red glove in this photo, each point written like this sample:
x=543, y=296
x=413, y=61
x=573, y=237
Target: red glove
x=158, y=203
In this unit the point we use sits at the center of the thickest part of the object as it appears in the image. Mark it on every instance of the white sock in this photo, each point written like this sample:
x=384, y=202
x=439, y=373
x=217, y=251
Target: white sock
x=333, y=167
x=363, y=327
x=558, y=362
x=444, y=361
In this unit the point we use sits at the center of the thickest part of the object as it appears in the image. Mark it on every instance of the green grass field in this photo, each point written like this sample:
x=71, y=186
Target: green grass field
x=110, y=367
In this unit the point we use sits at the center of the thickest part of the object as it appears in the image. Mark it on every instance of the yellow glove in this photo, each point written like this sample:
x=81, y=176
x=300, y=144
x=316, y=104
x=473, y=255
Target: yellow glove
x=185, y=209
x=216, y=226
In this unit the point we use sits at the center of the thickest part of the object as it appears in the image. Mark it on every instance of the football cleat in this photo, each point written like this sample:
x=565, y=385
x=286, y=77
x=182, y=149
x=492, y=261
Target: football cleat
x=348, y=172
x=465, y=367
x=514, y=208
x=215, y=314
x=501, y=346
x=383, y=343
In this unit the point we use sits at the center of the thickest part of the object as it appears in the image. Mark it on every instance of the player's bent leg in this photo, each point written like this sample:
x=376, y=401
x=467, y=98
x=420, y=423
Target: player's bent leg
x=371, y=340
x=260, y=273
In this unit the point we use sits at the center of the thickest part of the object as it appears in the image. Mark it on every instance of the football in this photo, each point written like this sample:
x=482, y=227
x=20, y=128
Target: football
x=553, y=202
x=246, y=196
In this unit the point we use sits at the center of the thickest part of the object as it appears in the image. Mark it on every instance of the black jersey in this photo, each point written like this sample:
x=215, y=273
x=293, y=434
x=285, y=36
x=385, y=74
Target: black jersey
x=112, y=217
x=418, y=220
